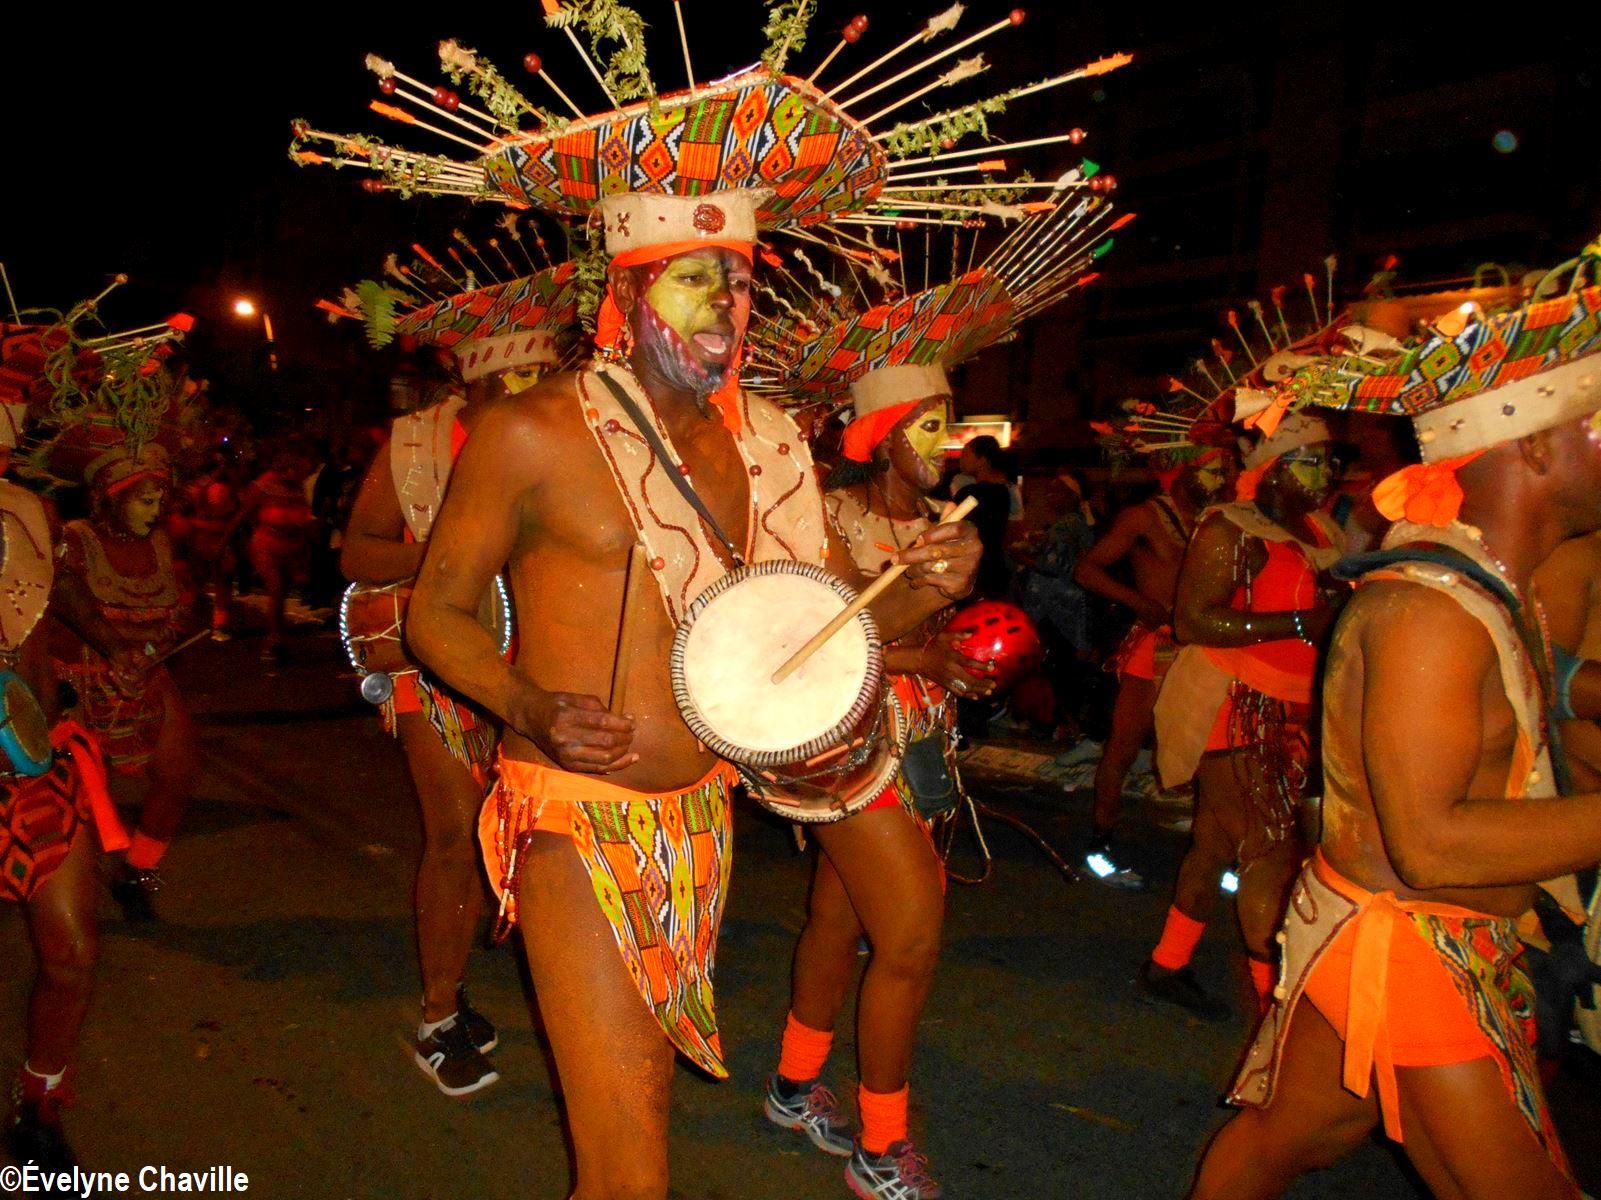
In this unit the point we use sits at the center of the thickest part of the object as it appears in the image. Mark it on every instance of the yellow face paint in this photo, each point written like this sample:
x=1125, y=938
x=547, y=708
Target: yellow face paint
x=1312, y=473
x=1211, y=477
x=683, y=296
x=519, y=379
x=928, y=433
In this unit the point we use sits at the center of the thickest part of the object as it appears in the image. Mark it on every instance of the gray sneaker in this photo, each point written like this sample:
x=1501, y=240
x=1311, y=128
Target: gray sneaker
x=900, y=1173
x=449, y=1058
x=814, y=1110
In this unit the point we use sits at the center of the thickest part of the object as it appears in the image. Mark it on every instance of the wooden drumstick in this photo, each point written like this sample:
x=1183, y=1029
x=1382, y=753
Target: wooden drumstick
x=848, y=614
x=628, y=626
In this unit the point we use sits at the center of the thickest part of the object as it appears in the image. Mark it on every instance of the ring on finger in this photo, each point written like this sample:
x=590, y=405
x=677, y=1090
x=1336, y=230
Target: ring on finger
x=940, y=566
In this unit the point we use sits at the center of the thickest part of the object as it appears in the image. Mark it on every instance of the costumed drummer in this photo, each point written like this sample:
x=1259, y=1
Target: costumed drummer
x=877, y=873
x=118, y=563
x=1439, y=812
x=502, y=335
x=618, y=884
x=55, y=812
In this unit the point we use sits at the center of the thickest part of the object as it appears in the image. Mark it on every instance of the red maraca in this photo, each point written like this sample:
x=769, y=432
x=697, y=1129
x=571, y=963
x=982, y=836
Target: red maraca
x=1000, y=634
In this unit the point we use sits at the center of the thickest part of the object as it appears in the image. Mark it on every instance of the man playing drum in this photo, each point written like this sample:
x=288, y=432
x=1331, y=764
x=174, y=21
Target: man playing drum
x=1439, y=807
x=618, y=883
x=503, y=336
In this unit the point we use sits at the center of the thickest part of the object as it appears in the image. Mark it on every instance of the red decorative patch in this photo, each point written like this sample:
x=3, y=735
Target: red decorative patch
x=709, y=218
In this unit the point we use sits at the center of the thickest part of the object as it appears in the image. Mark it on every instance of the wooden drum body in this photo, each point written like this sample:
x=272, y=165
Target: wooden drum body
x=825, y=742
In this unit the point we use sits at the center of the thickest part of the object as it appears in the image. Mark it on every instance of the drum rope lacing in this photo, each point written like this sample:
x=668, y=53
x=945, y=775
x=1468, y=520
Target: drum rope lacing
x=394, y=630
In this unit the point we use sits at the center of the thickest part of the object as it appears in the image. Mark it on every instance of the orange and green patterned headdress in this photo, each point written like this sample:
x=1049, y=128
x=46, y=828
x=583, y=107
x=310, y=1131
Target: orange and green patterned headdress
x=1472, y=380
x=814, y=152
x=814, y=345
x=488, y=312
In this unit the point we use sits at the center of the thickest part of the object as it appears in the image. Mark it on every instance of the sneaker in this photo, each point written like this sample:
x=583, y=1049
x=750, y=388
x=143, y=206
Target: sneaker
x=1181, y=988
x=900, y=1173
x=480, y=1031
x=814, y=1110
x=448, y=1057
x=35, y=1135
x=1105, y=869
x=132, y=888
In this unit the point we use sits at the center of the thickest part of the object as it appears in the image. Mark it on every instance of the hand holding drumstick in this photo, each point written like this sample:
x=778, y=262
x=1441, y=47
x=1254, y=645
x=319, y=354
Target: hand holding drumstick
x=944, y=557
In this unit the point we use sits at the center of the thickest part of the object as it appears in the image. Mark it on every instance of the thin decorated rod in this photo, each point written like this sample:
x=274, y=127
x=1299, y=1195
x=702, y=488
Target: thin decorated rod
x=395, y=113
x=1100, y=66
x=964, y=70
x=590, y=63
x=942, y=23
x=1013, y=258
x=987, y=166
x=1033, y=269
x=387, y=70
x=683, y=40
x=851, y=34
x=1076, y=136
x=1016, y=18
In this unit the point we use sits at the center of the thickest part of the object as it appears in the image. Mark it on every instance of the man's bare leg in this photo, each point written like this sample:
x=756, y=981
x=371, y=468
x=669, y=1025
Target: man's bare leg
x=892, y=878
x=1312, y=1122
x=61, y=922
x=449, y=895
x=614, y=1063
x=1133, y=715
x=1467, y=1139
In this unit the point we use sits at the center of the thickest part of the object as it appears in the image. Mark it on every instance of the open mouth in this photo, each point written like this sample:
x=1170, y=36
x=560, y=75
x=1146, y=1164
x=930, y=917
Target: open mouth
x=715, y=347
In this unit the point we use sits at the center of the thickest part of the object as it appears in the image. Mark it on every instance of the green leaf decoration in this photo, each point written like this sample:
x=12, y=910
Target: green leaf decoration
x=377, y=304
x=787, y=23
x=626, y=73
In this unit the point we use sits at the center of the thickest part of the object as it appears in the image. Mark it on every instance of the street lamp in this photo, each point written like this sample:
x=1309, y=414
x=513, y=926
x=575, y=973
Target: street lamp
x=244, y=307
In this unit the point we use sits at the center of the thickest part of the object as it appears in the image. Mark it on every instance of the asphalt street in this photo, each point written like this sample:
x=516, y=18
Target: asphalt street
x=262, y=1024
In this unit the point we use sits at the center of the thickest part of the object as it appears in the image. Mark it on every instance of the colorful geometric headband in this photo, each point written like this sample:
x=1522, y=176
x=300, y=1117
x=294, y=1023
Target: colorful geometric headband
x=1476, y=380
x=527, y=319
x=810, y=341
x=759, y=128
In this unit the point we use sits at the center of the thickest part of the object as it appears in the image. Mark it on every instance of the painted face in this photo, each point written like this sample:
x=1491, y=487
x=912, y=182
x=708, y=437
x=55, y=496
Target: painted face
x=519, y=379
x=693, y=320
x=1311, y=470
x=140, y=509
x=926, y=434
x=1210, y=478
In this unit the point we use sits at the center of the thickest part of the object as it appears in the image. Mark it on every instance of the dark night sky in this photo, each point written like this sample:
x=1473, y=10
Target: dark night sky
x=152, y=139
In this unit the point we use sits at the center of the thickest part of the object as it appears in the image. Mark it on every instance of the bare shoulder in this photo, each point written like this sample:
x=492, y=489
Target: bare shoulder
x=1413, y=621
x=530, y=430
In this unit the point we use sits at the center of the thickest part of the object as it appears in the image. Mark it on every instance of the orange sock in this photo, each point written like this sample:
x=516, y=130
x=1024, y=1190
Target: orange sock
x=145, y=852
x=1262, y=981
x=1180, y=935
x=883, y=1118
x=804, y=1051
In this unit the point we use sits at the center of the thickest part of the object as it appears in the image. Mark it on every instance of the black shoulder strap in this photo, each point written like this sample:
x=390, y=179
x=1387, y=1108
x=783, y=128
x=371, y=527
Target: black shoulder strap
x=648, y=431
x=1354, y=566
x=1169, y=510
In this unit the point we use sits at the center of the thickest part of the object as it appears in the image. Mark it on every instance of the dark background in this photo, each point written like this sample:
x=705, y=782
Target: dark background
x=1251, y=139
